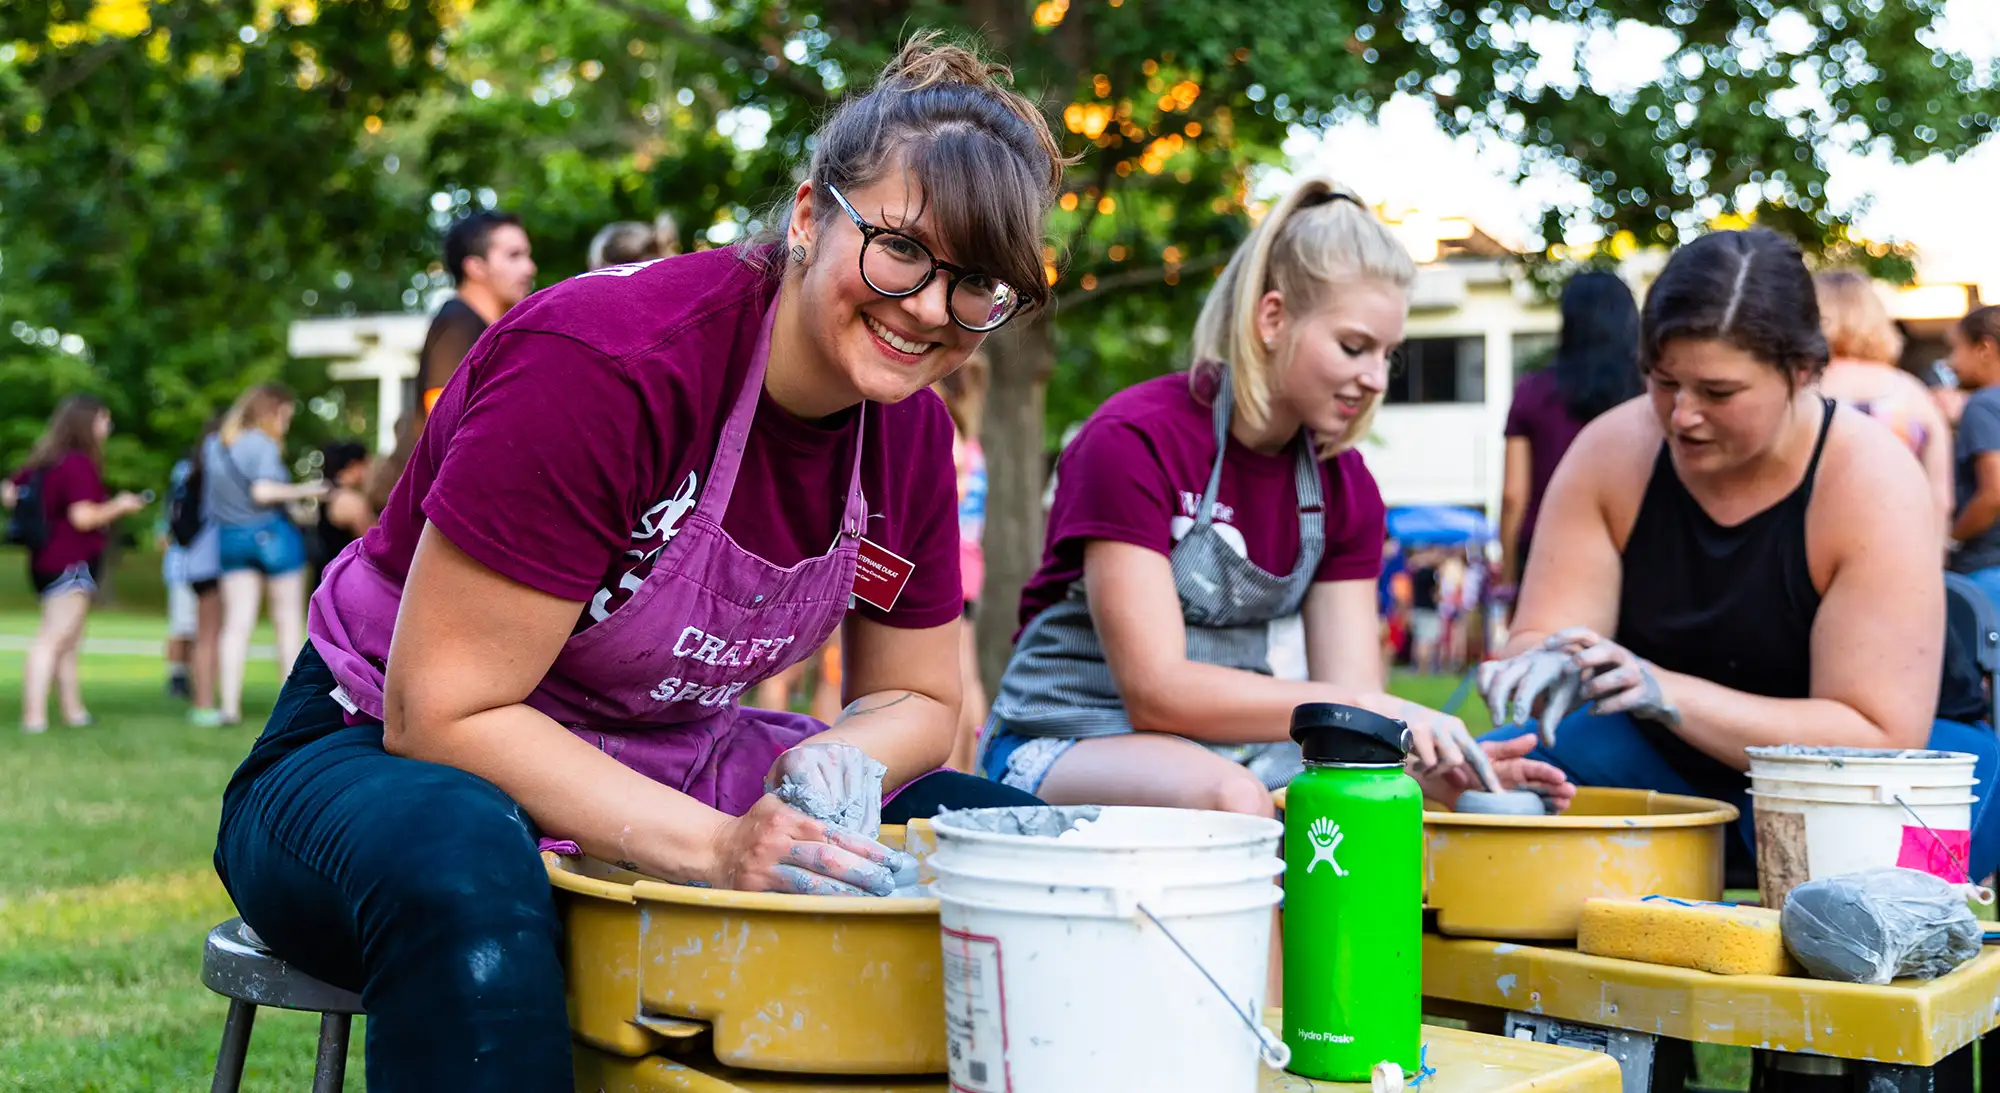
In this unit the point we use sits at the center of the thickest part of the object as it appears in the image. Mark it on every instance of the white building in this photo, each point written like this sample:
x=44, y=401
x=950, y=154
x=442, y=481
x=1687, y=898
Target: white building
x=378, y=349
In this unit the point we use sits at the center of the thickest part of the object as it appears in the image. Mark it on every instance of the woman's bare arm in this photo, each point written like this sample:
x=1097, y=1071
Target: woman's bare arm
x=470, y=646
x=902, y=690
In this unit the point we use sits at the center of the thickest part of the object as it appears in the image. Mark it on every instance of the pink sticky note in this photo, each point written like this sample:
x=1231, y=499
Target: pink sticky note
x=1938, y=851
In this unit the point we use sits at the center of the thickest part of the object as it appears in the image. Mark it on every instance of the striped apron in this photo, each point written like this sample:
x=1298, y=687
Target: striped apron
x=1058, y=686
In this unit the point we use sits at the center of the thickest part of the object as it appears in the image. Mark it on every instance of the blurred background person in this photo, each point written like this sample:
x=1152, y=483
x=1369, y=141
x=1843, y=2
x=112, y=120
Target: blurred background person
x=191, y=564
x=964, y=394
x=345, y=513
x=492, y=263
x=1975, y=359
x=1596, y=367
x=247, y=486
x=1862, y=373
x=623, y=241
x=62, y=514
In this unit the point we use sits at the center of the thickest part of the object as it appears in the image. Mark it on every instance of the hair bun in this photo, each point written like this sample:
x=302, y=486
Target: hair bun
x=929, y=58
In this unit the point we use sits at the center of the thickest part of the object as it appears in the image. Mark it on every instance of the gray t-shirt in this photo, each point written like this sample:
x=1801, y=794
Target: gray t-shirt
x=1978, y=432
x=228, y=472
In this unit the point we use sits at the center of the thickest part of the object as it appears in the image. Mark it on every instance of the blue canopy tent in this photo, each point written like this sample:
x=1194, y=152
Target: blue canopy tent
x=1437, y=525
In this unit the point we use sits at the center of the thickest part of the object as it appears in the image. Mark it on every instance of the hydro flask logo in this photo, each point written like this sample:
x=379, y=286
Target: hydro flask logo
x=1325, y=836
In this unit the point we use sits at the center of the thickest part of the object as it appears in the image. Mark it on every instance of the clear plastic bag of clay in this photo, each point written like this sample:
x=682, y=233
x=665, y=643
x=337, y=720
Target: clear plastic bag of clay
x=1879, y=925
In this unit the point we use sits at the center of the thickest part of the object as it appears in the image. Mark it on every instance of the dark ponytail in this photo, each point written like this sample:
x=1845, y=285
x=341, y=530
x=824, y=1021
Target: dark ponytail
x=1597, y=358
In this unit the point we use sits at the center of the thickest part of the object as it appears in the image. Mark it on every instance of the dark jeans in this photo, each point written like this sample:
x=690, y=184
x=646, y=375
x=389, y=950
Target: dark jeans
x=1620, y=750
x=419, y=886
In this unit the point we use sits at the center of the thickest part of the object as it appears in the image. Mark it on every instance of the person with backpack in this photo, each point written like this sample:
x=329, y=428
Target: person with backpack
x=191, y=565
x=61, y=512
x=246, y=486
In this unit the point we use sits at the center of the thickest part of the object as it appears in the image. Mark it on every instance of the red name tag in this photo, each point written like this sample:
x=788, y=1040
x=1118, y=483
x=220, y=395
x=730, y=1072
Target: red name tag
x=880, y=575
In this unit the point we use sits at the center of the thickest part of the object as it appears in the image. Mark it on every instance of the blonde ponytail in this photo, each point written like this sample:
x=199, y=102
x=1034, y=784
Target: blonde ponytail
x=1318, y=236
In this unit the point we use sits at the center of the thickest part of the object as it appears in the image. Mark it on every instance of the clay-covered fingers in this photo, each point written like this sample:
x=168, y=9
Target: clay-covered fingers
x=893, y=860
x=1477, y=757
x=1563, y=700
x=1544, y=670
x=831, y=871
x=1498, y=680
x=1572, y=639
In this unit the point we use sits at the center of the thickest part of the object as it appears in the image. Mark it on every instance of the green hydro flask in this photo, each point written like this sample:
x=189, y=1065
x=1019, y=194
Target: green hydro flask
x=1354, y=919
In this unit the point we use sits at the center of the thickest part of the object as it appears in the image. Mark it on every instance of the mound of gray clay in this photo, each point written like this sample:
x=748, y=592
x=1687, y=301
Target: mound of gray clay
x=1040, y=821
x=1519, y=802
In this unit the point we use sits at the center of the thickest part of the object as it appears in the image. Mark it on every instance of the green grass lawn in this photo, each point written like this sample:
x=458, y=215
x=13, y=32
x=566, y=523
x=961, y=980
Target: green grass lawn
x=108, y=892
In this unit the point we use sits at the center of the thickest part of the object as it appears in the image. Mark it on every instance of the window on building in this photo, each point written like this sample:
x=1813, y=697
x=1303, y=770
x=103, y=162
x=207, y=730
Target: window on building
x=1439, y=370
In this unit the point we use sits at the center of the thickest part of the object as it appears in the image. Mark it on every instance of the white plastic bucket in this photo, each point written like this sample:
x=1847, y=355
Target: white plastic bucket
x=1822, y=812
x=1062, y=971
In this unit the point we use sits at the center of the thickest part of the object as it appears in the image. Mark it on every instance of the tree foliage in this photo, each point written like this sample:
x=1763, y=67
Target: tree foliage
x=179, y=179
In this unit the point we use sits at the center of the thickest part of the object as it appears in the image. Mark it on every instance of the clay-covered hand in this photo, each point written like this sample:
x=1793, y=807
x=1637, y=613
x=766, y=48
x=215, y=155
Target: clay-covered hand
x=1514, y=771
x=1617, y=680
x=1542, y=681
x=1438, y=741
x=777, y=848
x=837, y=784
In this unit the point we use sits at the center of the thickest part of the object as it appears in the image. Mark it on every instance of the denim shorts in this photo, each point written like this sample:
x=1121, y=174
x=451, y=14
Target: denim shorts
x=80, y=577
x=273, y=547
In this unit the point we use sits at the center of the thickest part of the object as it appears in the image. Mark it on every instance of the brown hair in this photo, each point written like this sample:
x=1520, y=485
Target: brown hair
x=71, y=428
x=1851, y=315
x=964, y=393
x=1319, y=236
x=625, y=241
x=258, y=408
x=982, y=153
x=1981, y=325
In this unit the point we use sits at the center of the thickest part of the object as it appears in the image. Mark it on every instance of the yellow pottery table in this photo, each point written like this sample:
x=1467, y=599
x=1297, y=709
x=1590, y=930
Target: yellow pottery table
x=1904, y=1026
x=1466, y=1062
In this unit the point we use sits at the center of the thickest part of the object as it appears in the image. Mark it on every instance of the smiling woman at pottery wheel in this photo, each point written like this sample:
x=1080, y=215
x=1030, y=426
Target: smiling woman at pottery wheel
x=648, y=488
x=1732, y=561
x=1214, y=544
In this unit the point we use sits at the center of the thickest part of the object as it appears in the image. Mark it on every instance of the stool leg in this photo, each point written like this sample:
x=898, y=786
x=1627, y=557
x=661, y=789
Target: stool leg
x=330, y=1069
x=235, y=1047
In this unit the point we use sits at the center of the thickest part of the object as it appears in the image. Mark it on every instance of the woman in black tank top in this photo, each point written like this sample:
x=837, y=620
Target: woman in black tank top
x=1732, y=562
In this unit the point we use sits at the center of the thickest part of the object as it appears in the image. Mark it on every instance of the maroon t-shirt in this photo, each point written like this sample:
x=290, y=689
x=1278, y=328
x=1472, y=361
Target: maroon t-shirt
x=1136, y=473
x=70, y=479
x=1539, y=415
x=576, y=437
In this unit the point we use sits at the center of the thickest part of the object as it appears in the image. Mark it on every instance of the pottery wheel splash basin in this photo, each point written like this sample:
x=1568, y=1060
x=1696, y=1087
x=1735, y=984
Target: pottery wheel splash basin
x=800, y=984
x=1526, y=877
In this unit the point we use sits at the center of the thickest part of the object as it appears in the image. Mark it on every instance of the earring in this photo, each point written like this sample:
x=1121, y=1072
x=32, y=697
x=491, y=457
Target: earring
x=799, y=253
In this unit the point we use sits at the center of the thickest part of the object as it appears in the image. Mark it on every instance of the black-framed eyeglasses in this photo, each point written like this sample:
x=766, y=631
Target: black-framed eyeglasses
x=897, y=265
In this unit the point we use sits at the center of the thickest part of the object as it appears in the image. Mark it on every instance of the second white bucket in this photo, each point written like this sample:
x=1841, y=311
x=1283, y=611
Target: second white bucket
x=1822, y=812
x=1061, y=948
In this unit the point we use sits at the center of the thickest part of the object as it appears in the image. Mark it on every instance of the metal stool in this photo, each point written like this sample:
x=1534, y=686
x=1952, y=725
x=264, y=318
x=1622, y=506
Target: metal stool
x=237, y=966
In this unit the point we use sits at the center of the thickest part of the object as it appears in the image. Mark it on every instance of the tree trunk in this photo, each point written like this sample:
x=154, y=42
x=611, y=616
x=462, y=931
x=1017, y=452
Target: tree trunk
x=1022, y=359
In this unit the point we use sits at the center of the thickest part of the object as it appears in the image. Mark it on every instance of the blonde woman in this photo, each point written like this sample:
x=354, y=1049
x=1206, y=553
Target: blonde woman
x=1214, y=544
x=1862, y=344
x=246, y=487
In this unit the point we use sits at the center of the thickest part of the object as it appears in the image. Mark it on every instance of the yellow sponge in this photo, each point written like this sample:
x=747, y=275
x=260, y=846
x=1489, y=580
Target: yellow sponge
x=1709, y=937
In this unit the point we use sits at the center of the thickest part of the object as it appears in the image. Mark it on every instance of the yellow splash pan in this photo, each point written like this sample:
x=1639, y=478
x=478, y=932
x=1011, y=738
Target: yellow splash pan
x=1526, y=877
x=794, y=984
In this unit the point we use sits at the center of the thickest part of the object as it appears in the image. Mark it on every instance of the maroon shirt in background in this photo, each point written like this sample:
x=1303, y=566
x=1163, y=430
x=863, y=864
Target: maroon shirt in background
x=70, y=479
x=1136, y=473
x=1539, y=415
x=576, y=437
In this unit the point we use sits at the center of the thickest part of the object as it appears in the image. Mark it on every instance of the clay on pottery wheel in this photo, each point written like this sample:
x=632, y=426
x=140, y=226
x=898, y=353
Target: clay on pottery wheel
x=1519, y=802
